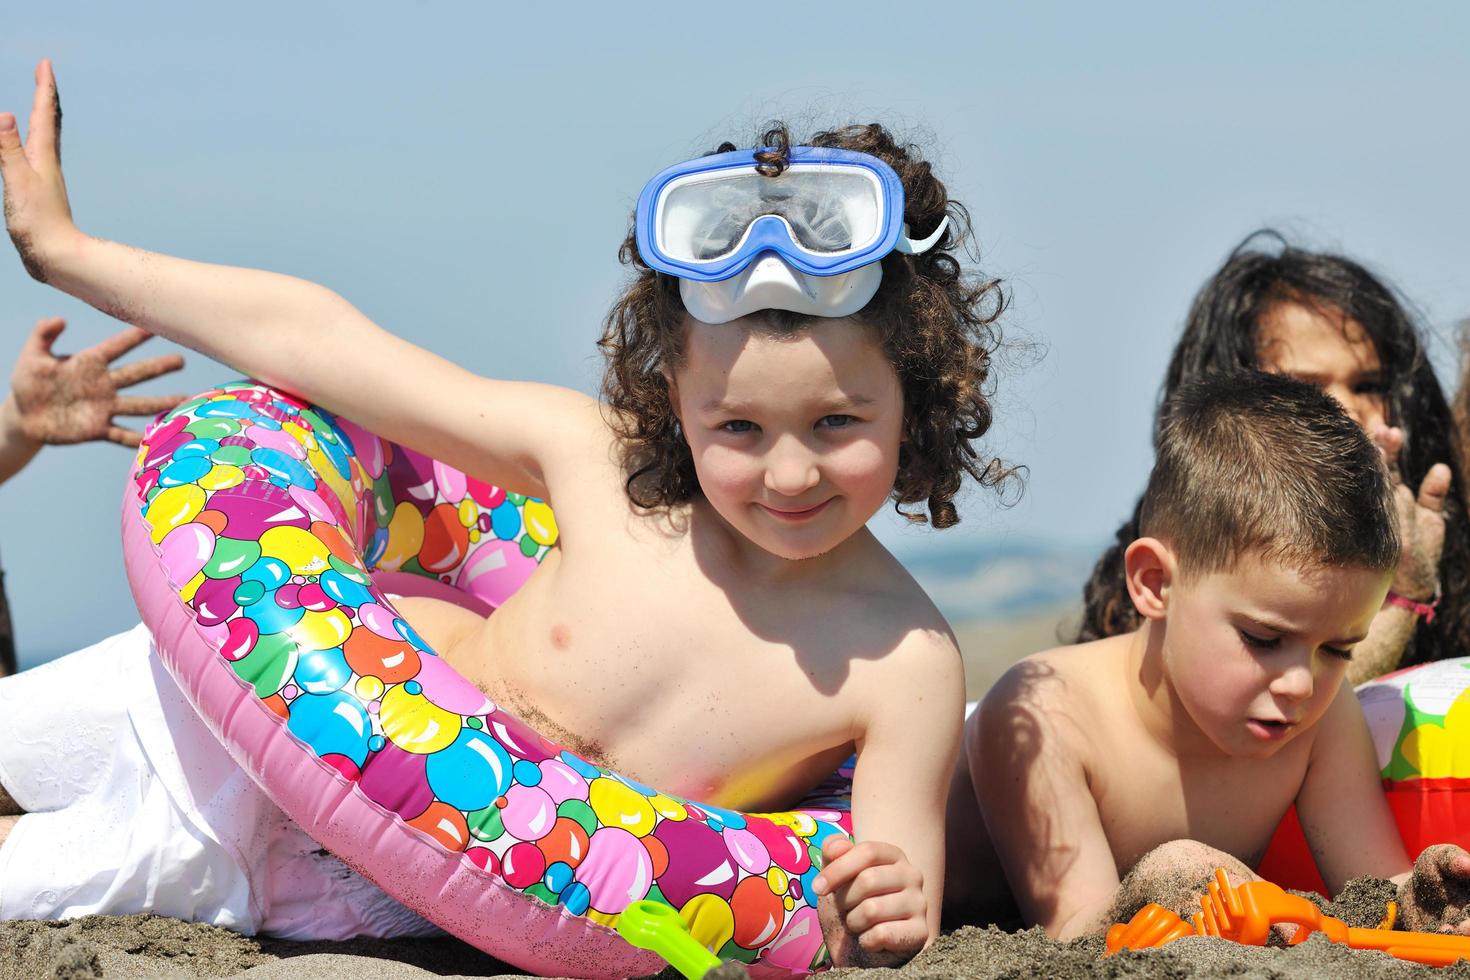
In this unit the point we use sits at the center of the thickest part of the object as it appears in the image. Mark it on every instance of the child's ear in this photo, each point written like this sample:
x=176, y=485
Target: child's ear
x=1150, y=570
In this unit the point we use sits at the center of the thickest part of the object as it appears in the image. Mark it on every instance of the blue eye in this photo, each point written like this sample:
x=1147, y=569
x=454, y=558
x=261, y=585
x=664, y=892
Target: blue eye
x=836, y=421
x=737, y=426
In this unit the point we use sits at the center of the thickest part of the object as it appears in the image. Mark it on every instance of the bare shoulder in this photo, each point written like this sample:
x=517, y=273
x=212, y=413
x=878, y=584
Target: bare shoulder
x=574, y=422
x=883, y=599
x=584, y=469
x=1060, y=691
x=908, y=703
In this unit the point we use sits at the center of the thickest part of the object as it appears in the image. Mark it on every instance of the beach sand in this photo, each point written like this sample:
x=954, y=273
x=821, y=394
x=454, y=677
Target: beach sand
x=145, y=946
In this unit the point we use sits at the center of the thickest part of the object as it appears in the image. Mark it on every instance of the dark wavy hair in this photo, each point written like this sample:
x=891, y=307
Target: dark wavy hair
x=936, y=323
x=1262, y=272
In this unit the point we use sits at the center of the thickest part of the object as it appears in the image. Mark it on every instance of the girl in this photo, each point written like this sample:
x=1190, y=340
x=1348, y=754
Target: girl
x=798, y=345
x=1326, y=320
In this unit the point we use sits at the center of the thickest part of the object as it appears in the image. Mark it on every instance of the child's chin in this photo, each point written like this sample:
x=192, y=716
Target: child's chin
x=795, y=550
x=786, y=551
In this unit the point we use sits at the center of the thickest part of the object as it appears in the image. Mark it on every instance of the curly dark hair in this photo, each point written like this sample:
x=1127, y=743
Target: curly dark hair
x=936, y=323
x=1262, y=272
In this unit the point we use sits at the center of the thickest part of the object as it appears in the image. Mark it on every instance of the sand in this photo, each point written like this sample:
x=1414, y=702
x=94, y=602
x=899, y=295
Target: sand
x=139, y=946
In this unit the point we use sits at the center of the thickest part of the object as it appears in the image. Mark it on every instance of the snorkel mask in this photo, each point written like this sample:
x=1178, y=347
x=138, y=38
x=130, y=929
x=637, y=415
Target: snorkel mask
x=808, y=240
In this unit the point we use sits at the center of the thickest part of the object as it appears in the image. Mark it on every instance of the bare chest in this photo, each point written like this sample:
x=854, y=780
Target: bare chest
x=1147, y=798
x=660, y=676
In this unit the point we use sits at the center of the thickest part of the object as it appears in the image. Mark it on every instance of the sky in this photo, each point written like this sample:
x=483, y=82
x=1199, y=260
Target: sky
x=464, y=174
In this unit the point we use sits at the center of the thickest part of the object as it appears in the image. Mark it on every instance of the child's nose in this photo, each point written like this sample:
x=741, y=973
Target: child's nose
x=791, y=468
x=1295, y=681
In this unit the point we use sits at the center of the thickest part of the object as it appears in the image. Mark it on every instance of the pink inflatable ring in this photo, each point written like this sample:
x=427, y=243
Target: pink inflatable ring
x=262, y=539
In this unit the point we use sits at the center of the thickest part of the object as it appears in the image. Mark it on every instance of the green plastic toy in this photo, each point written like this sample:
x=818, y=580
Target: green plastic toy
x=656, y=926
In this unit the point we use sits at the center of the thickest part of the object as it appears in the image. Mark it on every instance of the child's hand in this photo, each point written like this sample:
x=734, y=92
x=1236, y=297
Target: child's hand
x=873, y=907
x=36, y=210
x=72, y=398
x=1436, y=896
x=1421, y=520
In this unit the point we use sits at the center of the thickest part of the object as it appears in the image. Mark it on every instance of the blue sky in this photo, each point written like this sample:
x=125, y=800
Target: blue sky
x=464, y=174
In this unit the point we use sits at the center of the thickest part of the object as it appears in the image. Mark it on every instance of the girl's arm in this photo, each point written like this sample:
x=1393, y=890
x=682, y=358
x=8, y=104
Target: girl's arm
x=882, y=897
x=281, y=330
x=16, y=448
x=1421, y=532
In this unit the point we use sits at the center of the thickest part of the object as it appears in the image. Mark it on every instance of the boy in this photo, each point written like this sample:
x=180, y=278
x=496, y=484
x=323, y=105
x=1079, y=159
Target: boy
x=1268, y=542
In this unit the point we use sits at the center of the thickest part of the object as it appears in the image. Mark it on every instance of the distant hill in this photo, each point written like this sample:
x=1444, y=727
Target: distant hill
x=1005, y=599
x=1005, y=580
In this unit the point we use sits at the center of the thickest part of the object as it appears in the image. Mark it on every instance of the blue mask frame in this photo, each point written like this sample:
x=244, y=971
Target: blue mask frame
x=770, y=233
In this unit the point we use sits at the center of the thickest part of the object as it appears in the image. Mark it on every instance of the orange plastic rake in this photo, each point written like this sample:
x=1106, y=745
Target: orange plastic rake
x=1246, y=913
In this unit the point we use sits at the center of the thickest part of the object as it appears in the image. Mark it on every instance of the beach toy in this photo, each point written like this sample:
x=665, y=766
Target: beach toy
x=1245, y=914
x=652, y=925
x=264, y=540
x=1420, y=722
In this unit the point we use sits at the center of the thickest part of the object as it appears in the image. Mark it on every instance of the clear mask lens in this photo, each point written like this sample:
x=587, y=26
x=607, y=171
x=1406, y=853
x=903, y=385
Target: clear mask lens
x=829, y=210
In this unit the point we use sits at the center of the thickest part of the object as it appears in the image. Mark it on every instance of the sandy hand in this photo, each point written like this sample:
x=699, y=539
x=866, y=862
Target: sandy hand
x=1421, y=520
x=63, y=399
x=37, y=213
x=873, y=909
x=1436, y=896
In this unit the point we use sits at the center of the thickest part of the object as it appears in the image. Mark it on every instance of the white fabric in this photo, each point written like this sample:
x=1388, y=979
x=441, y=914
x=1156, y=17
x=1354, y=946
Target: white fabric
x=132, y=806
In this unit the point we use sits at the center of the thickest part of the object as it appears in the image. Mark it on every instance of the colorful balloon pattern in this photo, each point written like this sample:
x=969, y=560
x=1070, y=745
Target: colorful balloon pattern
x=1419, y=720
x=269, y=516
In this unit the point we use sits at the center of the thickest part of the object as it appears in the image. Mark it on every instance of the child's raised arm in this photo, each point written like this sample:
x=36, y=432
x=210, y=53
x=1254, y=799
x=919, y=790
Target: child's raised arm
x=284, y=331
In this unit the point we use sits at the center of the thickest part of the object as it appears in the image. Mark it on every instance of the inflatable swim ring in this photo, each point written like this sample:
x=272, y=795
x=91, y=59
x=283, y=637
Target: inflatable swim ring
x=263, y=538
x=1420, y=721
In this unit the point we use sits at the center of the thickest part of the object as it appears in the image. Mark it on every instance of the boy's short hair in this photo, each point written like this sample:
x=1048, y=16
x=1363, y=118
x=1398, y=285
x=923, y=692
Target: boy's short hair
x=1249, y=461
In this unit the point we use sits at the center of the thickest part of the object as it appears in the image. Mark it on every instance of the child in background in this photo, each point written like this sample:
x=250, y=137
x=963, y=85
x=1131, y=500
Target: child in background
x=1326, y=320
x=1119, y=772
x=713, y=551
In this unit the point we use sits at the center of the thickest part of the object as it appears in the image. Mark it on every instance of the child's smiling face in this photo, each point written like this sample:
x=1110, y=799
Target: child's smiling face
x=1256, y=654
x=795, y=438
